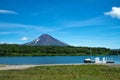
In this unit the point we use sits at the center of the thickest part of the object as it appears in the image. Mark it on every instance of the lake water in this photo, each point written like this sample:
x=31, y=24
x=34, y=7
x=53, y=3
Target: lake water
x=51, y=59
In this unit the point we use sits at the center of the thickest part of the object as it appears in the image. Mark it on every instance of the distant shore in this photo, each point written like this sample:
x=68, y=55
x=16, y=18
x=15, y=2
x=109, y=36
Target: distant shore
x=21, y=67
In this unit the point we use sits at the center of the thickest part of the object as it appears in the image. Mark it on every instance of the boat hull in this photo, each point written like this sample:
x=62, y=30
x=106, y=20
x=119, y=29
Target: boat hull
x=110, y=62
x=86, y=61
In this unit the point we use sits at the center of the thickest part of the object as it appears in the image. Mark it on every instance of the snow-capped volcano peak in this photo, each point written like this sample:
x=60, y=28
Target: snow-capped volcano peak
x=46, y=40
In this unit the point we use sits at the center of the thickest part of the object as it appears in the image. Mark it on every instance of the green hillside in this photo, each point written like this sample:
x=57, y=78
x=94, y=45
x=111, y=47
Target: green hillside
x=22, y=50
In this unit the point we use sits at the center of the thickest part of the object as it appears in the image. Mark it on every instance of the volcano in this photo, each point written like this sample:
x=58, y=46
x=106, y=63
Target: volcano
x=46, y=40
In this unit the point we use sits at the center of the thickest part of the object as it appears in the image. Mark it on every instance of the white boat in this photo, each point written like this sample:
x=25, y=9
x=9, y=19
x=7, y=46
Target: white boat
x=87, y=60
x=109, y=60
x=97, y=60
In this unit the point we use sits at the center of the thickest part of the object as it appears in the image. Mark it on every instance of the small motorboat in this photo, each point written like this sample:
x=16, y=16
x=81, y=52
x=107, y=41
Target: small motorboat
x=109, y=60
x=87, y=60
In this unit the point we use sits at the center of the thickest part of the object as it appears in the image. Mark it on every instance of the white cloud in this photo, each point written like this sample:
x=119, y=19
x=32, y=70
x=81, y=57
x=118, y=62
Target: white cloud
x=7, y=12
x=26, y=26
x=95, y=21
x=24, y=38
x=115, y=12
x=8, y=32
x=5, y=33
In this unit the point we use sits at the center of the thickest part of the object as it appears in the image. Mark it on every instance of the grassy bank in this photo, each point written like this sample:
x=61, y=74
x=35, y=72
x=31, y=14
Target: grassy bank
x=63, y=72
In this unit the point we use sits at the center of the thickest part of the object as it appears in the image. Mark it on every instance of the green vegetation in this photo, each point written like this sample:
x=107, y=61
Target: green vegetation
x=63, y=72
x=22, y=50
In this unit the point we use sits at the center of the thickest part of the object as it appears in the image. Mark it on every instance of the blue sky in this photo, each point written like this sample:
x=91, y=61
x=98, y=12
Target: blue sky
x=93, y=23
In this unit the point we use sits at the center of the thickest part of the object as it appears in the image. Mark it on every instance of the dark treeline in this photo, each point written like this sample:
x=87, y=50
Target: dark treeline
x=22, y=50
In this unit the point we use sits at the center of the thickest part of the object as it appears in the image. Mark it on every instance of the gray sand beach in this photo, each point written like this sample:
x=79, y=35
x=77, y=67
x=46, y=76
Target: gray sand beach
x=20, y=67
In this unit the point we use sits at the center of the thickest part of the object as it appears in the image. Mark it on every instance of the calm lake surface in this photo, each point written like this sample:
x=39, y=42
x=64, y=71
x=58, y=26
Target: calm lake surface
x=51, y=59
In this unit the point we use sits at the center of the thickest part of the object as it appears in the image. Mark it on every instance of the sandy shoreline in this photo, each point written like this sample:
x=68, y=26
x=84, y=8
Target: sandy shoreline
x=15, y=67
x=20, y=67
